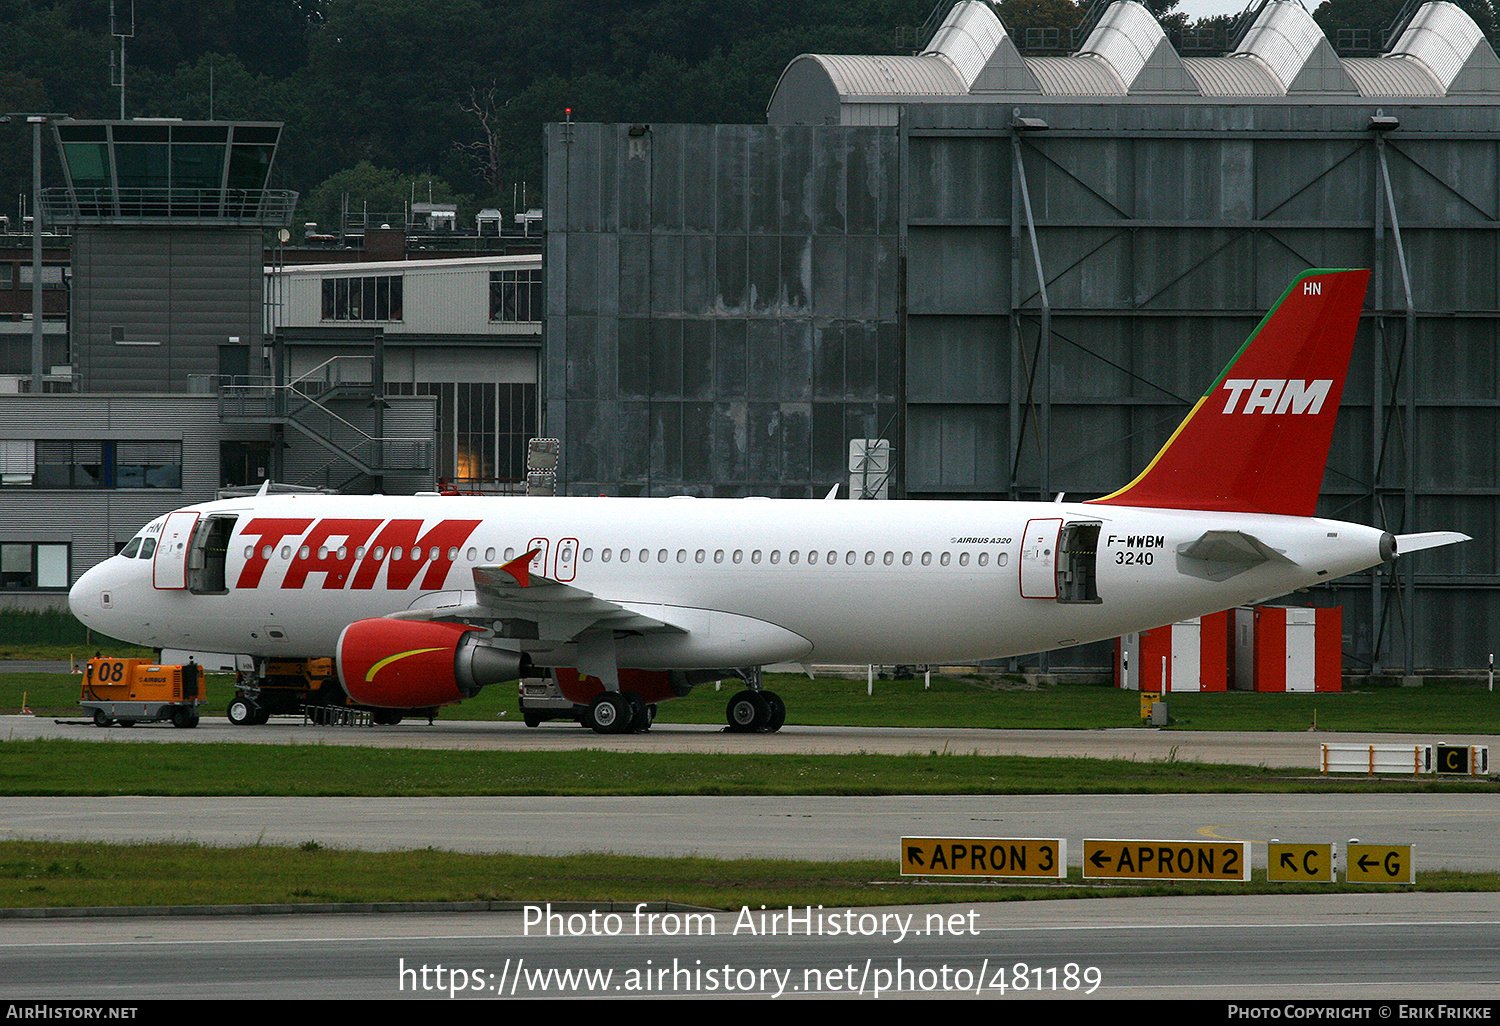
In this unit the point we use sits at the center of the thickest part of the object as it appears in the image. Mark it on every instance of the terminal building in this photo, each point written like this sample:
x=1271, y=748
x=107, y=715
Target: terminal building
x=1020, y=271
x=189, y=366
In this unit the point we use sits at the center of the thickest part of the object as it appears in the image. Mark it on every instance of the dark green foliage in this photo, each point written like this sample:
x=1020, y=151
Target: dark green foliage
x=460, y=89
x=405, y=85
x=46, y=627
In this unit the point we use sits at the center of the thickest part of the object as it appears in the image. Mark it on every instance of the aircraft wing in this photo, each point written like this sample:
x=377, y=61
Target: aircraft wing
x=560, y=611
x=570, y=623
x=509, y=591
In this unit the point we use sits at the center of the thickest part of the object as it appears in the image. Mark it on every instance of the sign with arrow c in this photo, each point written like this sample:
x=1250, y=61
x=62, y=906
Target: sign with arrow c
x=1299, y=863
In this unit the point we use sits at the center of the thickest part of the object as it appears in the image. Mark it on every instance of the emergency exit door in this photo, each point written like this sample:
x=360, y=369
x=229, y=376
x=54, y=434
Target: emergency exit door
x=169, y=571
x=1039, y=559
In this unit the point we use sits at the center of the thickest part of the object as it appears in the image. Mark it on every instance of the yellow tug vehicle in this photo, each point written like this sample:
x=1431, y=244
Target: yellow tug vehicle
x=131, y=691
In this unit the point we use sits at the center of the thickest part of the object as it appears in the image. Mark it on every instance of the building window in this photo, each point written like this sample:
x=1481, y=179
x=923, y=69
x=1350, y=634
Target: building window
x=362, y=299
x=52, y=276
x=482, y=428
x=87, y=464
x=27, y=566
x=17, y=461
x=516, y=296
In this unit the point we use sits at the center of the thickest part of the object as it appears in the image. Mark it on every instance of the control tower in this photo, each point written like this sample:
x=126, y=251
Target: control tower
x=168, y=220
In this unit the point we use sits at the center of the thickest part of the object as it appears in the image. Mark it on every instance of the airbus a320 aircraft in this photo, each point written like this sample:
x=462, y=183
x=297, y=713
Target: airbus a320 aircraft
x=423, y=600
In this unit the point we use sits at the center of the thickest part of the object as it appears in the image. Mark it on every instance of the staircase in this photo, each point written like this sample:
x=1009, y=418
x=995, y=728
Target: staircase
x=306, y=405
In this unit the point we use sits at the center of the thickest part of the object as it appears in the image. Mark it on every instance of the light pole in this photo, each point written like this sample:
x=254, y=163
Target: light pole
x=36, y=121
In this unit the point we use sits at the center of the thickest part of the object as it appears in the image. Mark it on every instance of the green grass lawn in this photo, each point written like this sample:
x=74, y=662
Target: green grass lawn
x=57, y=874
x=964, y=702
x=67, y=767
x=44, y=874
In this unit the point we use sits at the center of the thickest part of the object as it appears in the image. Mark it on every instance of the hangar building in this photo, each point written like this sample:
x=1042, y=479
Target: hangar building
x=1022, y=270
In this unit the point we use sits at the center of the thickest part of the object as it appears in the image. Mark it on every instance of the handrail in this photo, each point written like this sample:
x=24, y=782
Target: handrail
x=331, y=360
x=355, y=443
x=268, y=207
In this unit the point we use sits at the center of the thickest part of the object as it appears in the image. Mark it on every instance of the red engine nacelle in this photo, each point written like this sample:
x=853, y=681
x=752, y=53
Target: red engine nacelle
x=652, y=685
x=416, y=664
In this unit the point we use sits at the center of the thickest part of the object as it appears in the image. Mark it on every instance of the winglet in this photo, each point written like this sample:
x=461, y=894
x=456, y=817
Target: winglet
x=520, y=568
x=1257, y=442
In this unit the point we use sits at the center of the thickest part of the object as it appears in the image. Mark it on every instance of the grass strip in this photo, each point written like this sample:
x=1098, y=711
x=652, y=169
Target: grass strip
x=66, y=767
x=47, y=874
x=1450, y=708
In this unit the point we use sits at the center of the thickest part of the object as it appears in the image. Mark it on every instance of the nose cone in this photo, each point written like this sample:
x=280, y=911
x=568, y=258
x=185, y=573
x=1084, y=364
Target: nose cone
x=89, y=597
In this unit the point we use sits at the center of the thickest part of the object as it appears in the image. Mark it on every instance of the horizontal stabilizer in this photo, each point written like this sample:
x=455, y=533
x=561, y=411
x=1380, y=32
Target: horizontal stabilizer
x=1220, y=555
x=1406, y=543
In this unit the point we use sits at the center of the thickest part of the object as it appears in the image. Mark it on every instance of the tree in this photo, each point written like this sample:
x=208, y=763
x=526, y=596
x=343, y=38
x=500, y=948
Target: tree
x=486, y=155
x=1062, y=16
x=373, y=192
x=1379, y=15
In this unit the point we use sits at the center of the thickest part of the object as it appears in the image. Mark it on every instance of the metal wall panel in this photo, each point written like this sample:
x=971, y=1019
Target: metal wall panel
x=731, y=316
x=850, y=272
x=172, y=296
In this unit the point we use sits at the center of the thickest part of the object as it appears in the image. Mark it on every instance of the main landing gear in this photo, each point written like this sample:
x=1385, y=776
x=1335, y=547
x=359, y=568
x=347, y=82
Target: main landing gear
x=619, y=712
x=755, y=710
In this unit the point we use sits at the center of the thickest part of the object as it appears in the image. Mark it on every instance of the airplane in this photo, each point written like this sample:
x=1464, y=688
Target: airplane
x=420, y=601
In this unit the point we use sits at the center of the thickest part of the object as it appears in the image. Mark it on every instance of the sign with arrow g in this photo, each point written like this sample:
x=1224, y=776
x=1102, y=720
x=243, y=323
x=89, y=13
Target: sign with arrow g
x=1380, y=863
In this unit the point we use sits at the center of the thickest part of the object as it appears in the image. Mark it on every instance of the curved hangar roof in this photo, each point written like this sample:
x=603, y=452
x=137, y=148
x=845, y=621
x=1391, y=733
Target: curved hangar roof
x=1284, y=54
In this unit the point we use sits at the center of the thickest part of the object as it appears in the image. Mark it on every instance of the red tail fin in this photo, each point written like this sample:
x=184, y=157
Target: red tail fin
x=1257, y=442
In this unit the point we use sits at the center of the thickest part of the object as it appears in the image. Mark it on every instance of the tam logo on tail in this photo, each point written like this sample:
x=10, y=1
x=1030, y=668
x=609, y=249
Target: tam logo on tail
x=1278, y=395
x=1264, y=449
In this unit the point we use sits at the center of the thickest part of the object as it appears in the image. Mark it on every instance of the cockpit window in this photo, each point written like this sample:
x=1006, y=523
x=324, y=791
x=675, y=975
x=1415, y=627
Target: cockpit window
x=148, y=546
x=130, y=550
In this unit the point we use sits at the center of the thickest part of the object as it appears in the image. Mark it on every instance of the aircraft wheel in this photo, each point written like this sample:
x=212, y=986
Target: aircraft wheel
x=262, y=716
x=640, y=713
x=241, y=712
x=101, y=718
x=747, y=713
x=778, y=711
x=609, y=713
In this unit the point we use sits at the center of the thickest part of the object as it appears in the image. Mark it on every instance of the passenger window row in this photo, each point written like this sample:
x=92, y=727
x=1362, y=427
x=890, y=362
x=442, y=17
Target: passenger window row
x=812, y=557
x=792, y=557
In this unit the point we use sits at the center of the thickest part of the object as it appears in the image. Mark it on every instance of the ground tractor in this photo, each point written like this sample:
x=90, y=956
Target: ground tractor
x=131, y=691
x=281, y=687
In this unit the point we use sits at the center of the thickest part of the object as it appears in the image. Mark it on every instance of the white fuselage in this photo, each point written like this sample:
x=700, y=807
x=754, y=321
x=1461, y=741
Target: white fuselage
x=831, y=581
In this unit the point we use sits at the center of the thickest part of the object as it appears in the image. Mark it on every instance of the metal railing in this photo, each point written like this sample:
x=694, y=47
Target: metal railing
x=260, y=207
x=300, y=404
